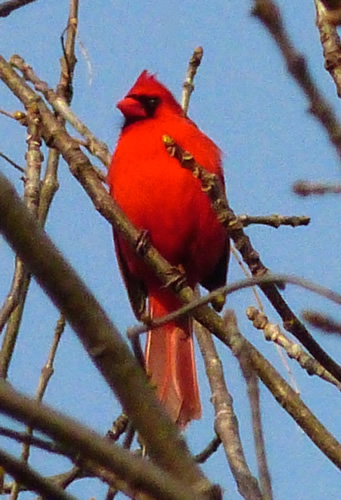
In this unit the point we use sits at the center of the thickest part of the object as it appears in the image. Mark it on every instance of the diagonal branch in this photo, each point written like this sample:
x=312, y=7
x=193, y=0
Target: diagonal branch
x=28, y=477
x=100, y=338
x=214, y=189
x=60, y=106
x=7, y=7
x=86, y=444
x=269, y=14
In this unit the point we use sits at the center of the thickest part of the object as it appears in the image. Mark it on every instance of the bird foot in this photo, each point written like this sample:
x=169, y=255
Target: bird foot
x=143, y=242
x=176, y=278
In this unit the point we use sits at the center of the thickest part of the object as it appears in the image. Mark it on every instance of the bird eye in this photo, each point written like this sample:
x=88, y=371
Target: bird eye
x=153, y=102
x=150, y=105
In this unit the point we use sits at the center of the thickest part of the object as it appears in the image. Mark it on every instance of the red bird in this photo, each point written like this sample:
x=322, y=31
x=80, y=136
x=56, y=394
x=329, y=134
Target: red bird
x=166, y=200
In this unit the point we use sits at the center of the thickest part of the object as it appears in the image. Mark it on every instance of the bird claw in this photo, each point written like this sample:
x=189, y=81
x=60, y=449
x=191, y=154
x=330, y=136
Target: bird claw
x=176, y=278
x=143, y=242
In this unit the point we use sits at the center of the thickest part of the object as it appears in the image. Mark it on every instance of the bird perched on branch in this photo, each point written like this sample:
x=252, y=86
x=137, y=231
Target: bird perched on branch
x=167, y=202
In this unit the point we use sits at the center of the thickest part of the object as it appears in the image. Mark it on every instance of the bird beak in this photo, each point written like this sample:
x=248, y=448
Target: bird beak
x=131, y=108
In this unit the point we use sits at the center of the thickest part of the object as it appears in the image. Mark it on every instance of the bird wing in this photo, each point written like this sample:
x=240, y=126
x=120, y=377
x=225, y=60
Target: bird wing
x=136, y=288
x=217, y=277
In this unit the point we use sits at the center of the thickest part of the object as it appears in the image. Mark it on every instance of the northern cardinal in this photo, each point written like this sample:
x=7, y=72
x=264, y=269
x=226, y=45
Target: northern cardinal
x=162, y=198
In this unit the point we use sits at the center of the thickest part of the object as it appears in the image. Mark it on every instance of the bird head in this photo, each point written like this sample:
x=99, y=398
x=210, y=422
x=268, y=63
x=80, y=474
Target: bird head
x=148, y=98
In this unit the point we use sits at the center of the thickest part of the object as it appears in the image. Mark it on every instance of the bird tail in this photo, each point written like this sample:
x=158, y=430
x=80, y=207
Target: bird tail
x=170, y=361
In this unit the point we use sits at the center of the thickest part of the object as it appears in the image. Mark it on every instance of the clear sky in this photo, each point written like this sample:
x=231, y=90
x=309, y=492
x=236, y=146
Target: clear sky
x=246, y=102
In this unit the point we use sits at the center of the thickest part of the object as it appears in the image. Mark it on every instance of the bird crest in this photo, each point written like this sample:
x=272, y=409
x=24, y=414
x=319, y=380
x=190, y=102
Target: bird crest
x=148, y=85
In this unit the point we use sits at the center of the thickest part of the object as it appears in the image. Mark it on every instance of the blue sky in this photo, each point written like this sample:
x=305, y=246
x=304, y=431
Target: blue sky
x=246, y=102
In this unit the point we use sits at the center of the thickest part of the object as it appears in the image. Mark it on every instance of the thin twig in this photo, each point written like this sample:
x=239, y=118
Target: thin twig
x=188, y=85
x=234, y=287
x=86, y=443
x=15, y=309
x=7, y=113
x=226, y=423
x=321, y=321
x=34, y=160
x=23, y=437
x=269, y=14
x=7, y=7
x=254, y=398
x=25, y=475
x=14, y=303
x=94, y=145
x=306, y=188
x=274, y=220
x=213, y=188
x=273, y=333
x=11, y=162
x=207, y=452
x=13, y=297
x=46, y=374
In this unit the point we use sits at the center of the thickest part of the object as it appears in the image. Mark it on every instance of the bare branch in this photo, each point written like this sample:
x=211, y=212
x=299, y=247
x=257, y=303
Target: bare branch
x=284, y=394
x=13, y=297
x=269, y=14
x=14, y=304
x=274, y=220
x=332, y=14
x=306, y=188
x=102, y=341
x=207, y=452
x=94, y=145
x=11, y=162
x=330, y=40
x=273, y=333
x=321, y=321
x=188, y=85
x=23, y=437
x=212, y=186
x=254, y=398
x=25, y=475
x=7, y=7
x=85, y=443
x=226, y=423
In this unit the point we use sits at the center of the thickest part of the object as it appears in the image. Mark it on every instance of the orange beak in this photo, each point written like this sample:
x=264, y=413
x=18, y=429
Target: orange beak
x=131, y=108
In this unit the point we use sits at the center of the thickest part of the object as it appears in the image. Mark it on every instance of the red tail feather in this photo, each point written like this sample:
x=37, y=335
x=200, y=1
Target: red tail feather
x=171, y=364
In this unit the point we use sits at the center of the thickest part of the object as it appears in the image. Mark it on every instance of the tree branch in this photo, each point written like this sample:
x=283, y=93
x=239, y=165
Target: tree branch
x=306, y=188
x=25, y=475
x=88, y=445
x=188, y=85
x=213, y=188
x=226, y=423
x=269, y=14
x=252, y=383
x=99, y=337
x=273, y=333
x=7, y=7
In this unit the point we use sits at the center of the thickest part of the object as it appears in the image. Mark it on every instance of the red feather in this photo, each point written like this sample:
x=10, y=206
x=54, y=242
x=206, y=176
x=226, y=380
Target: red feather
x=160, y=196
